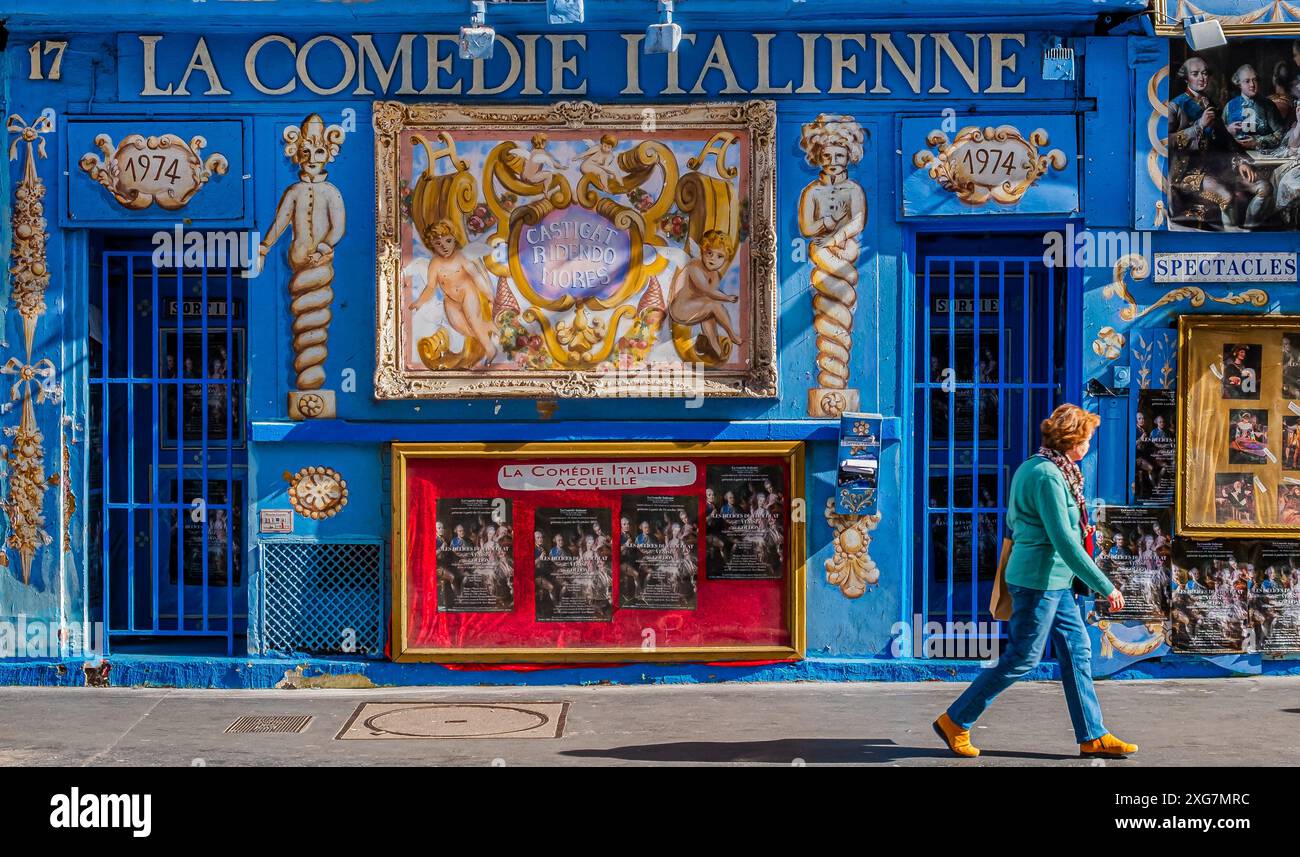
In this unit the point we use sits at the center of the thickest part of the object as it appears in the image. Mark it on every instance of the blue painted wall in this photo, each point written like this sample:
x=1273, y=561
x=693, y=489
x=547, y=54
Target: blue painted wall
x=102, y=81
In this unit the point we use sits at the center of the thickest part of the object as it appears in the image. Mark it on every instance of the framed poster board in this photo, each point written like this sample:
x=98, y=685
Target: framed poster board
x=575, y=250
x=597, y=552
x=213, y=389
x=1238, y=439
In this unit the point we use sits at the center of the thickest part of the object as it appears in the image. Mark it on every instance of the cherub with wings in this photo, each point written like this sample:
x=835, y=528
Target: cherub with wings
x=539, y=165
x=597, y=161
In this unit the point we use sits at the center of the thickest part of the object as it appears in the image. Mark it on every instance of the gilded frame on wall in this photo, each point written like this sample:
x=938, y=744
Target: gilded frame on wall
x=1238, y=434
x=795, y=578
x=642, y=264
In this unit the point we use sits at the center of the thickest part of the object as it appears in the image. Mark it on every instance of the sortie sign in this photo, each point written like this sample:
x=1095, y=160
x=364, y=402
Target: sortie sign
x=596, y=476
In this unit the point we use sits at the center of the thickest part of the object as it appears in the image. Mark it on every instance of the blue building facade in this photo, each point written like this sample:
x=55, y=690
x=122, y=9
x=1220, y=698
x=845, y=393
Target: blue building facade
x=238, y=421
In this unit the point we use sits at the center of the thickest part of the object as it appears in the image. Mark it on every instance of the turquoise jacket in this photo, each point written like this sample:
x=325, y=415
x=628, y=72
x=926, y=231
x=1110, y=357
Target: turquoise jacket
x=1043, y=521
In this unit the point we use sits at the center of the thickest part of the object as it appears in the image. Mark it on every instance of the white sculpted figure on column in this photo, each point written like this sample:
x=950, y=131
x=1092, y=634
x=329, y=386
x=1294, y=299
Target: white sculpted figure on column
x=832, y=216
x=313, y=207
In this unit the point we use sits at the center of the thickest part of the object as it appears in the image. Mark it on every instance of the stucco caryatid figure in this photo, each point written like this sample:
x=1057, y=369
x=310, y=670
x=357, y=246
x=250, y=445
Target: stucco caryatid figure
x=314, y=209
x=832, y=216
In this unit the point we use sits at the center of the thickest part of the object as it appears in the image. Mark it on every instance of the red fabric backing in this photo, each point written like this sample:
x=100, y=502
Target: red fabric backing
x=728, y=612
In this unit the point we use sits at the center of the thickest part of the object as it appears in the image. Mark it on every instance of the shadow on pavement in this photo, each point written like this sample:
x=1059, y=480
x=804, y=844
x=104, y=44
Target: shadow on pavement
x=786, y=750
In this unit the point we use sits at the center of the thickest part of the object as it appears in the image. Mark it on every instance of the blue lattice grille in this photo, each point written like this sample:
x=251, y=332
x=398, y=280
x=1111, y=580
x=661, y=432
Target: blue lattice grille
x=322, y=597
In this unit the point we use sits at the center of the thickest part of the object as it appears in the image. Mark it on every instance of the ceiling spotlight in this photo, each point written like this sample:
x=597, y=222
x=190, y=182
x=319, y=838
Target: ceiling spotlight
x=565, y=11
x=1202, y=35
x=664, y=37
x=477, y=39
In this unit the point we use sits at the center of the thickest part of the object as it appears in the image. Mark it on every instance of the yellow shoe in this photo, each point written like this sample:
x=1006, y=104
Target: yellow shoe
x=1107, y=745
x=957, y=738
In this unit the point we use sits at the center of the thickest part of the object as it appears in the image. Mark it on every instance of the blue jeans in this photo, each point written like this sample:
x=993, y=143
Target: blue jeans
x=1036, y=613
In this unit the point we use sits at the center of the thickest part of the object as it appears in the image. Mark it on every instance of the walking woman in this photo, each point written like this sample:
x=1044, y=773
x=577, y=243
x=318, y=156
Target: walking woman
x=1048, y=523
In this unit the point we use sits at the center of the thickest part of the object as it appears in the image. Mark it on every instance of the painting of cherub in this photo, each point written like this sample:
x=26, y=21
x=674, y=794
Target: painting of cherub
x=598, y=162
x=567, y=248
x=465, y=293
x=539, y=165
x=695, y=296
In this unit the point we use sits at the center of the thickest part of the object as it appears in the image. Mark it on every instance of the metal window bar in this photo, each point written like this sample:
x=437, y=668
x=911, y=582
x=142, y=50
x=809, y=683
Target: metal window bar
x=1036, y=387
x=117, y=374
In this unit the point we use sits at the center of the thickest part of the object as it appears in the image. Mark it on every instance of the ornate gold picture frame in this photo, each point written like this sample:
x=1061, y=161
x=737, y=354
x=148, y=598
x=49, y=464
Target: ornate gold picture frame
x=575, y=250
x=1238, y=434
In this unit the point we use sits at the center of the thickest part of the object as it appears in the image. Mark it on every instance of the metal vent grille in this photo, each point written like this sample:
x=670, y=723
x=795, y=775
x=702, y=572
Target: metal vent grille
x=284, y=724
x=324, y=597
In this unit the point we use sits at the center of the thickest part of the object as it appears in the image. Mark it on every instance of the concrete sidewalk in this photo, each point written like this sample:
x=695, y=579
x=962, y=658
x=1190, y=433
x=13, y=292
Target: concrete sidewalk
x=1195, y=722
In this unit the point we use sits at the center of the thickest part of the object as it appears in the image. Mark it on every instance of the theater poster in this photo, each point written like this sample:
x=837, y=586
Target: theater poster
x=744, y=525
x=1154, y=447
x=659, y=552
x=476, y=571
x=575, y=250
x=223, y=504
x=573, y=568
x=1209, y=596
x=1275, y=598
x=1135, y=550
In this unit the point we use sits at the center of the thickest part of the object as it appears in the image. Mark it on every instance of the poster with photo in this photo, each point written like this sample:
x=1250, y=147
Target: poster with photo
x=959, y=491
x=1135, y=550
x=1275, y=597
x=220, y=376
x=659, y=552
x=1234, y=498
x=573, y=567
x=1154, y=473
x=1291, y=365
x=1291, y=442
x=1241, y=370
x=1237, y=461
x=745, y=524
x=962, y=550
x=225, y=515
x=475, y=555
x=957, y=359
x=1288, y=502
x=1248, y=436
x=1208, y=599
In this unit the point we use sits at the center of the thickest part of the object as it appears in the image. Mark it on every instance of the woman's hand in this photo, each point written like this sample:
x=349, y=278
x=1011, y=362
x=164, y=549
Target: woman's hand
x=1115, y=601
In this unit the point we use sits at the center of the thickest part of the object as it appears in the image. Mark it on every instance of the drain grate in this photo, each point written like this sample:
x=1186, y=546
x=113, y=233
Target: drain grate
x=283, y=724
x=456, y=720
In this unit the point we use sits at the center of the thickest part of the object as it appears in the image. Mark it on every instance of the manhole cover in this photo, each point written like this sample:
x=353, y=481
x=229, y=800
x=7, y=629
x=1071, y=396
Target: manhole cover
x=285, y=724
x=456, y=720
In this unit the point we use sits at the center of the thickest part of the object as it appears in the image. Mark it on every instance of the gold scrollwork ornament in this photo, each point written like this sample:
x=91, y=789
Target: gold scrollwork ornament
x=143, y=171
x=983, y=164
x=24, y=454
x=851, y=567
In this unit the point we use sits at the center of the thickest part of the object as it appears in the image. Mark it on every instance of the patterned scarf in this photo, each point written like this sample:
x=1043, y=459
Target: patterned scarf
x=1074, y=478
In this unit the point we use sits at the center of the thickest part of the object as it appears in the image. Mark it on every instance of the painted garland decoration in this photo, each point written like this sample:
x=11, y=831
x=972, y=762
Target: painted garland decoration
x=24, y=455
x=317, y=492
x=851, y=567
x=832, y=217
